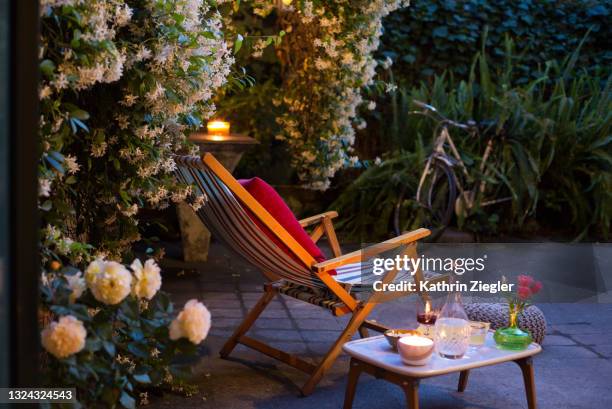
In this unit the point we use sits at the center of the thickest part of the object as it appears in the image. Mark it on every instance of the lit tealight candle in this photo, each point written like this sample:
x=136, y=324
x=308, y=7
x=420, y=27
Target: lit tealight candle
x=415, y=350
x=218, y=128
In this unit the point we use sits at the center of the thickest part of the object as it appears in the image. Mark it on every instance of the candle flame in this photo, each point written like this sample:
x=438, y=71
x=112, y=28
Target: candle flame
x=427, y=307
x=218, y=127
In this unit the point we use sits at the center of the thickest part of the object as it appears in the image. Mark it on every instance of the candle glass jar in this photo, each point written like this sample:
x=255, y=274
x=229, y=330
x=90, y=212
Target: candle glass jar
x=221, y=128
x=427, y=311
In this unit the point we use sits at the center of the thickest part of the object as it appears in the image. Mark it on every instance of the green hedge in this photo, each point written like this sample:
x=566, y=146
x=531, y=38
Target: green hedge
x=433, y=36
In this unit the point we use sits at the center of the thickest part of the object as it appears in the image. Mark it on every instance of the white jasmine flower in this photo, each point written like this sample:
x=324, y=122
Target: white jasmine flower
x=71, y=164
x=77, y=284
x=123, y=15
x=44, y=187
x=45, y=92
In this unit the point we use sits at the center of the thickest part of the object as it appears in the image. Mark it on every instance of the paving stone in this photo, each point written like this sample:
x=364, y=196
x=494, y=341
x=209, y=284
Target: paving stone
x=319, y=349
x=226, y=313
x=319, y=335
x=248, y=304
x=222, y=303
x=308, y=313
x=296, y=347
x=550, y=340
x=227, y=296
x=594, y=339
x=605, y=350
x=569, y=352
x=274, y=323
x=226, y=322
x=313, y=323
x=576, y=328
x=223, y=333
x=278, y=335
x=274, y=313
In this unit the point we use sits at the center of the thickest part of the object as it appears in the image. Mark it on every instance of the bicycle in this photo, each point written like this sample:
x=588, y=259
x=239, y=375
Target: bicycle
x=441, y=192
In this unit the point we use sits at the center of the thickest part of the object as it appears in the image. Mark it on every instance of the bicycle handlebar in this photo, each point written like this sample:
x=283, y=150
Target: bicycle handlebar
x=470, y=126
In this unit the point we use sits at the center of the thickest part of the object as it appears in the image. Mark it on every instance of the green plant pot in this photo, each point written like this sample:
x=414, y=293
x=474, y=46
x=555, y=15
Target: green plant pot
x=512, y=338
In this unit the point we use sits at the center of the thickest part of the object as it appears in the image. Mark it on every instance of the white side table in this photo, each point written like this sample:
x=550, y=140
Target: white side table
x=375, y=356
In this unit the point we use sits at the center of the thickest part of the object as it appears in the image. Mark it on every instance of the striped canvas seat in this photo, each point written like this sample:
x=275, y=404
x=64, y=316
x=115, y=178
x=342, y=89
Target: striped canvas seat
x=316, y=296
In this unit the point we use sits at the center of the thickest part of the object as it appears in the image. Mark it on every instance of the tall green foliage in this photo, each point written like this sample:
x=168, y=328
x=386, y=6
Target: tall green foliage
x=553, y=144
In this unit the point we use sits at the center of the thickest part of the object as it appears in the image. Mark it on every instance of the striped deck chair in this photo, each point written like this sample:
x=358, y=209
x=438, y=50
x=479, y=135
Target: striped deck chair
x=300, y=276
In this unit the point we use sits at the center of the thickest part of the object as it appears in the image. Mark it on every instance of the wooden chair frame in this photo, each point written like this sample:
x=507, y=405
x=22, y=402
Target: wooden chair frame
x=321, y=225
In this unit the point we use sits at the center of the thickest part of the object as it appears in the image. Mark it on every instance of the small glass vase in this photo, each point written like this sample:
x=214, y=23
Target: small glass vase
x=452, y=329
x=512, y=337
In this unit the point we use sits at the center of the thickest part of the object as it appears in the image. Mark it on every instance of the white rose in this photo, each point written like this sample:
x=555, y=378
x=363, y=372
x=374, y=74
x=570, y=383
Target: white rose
x=192, y=323
x=148, y=279
x=65, y=337
x=77, y=284
x=110, y=282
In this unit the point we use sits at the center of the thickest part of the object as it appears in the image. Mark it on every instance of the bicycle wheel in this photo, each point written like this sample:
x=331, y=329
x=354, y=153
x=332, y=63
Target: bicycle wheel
x=440, y=191
x=437, y=200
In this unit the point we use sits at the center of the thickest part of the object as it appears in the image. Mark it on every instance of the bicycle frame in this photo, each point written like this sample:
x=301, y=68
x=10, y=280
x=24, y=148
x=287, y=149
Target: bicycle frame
x=468, y=197
x=439, y=153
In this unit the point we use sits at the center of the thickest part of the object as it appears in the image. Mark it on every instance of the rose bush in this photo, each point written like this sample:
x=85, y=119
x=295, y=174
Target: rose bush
x=113, y=347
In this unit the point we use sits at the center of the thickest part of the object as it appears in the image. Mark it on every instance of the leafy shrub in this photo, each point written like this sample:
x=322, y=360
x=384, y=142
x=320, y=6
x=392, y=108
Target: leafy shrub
x=553, y=150
x=127, y=351
x=431, y=37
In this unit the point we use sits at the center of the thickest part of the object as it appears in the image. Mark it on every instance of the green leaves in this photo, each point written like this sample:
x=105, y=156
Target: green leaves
x=47, y=68
x=238, y=43
x=448, y=33
x=142, y=378
x=127, y=401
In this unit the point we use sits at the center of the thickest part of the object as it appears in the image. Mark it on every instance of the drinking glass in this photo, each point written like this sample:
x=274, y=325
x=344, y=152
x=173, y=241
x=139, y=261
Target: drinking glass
x=478, y=333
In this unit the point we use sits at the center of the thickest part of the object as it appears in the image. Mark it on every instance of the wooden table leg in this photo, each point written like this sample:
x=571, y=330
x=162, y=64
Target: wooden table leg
x=351, y=386
x=463, y=380
x=411, y=389
x=526, y=365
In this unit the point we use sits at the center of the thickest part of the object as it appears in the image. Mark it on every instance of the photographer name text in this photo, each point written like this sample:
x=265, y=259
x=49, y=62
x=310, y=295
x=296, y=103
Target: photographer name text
x=441, y=286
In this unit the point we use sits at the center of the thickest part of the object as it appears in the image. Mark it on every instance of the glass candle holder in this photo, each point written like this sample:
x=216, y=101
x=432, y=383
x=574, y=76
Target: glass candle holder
x=426, y=315
x=217, y=127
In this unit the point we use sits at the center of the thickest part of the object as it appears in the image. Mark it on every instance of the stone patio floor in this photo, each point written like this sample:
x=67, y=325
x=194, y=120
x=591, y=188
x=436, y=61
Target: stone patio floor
x=573, y=371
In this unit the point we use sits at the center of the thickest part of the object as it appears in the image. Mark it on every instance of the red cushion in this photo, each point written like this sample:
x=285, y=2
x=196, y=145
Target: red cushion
x=270, y=200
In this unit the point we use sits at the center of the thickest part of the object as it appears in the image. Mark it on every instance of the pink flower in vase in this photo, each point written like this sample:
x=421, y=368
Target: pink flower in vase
x=525, y=280
x=536, y=287
x=523, y=292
